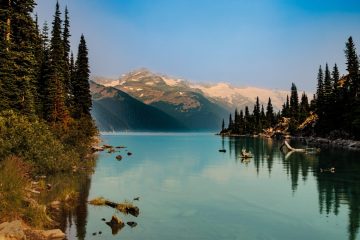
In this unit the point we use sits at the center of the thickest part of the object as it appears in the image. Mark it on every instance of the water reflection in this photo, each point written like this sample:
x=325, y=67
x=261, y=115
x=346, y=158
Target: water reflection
x=339, y=188
x=71, y=216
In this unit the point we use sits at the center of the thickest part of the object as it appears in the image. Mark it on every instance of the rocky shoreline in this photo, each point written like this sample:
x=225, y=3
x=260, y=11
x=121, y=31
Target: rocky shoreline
x=336, y=143
x=18, y=230
x=312, y=141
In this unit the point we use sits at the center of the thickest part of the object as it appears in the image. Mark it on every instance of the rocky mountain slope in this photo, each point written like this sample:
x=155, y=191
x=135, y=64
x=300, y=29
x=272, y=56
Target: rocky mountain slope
x=174, y=97
x=196, y=106
x=161, y=87
x=114, y=110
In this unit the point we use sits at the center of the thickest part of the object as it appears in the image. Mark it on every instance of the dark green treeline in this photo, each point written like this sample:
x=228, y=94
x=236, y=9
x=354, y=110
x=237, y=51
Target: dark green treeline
x=38, y=75
x=336, y=103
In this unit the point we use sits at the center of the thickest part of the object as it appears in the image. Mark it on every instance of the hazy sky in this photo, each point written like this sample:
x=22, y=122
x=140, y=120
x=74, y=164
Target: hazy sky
x=266, y=43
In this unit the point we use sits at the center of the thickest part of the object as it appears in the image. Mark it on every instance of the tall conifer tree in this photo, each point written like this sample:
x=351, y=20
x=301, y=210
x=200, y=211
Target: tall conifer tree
x=66, y=46
x=55, y=109
x=18, y=64
x=352, y=66
x=80, y=84
x=270, y=114
x=327, y=87
x=294, y=102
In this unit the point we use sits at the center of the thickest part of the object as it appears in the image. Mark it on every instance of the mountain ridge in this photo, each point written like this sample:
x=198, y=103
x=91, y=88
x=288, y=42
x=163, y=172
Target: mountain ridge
x=114, y=110
x=223, y=93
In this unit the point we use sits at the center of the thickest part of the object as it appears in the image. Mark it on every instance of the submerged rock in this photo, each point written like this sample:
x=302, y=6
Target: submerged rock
x=132, y=224
x=111, y=150
x=116, y=224
x=97, y=149
x=129, y=153
x=128, y=208
x=118, y=157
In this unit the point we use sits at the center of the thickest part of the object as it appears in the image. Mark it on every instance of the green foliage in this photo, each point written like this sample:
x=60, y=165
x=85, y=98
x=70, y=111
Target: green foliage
x=33, y=141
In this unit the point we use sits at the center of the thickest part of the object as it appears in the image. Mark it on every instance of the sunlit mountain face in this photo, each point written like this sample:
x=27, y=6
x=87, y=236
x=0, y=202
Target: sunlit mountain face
x=196, y=106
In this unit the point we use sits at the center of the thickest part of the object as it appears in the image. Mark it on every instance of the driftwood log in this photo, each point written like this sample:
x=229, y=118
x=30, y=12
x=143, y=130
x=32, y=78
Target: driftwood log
x=286, y=144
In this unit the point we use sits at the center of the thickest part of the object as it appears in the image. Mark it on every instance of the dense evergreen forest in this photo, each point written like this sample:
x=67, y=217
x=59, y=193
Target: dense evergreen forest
x=45, y=102
x=334, y=110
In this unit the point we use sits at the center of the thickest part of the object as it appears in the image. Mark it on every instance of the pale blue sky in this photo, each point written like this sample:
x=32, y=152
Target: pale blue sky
x=244, y=42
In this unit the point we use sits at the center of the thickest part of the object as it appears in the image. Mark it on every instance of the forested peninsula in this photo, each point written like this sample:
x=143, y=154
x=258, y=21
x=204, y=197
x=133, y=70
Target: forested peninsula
x=333, y=111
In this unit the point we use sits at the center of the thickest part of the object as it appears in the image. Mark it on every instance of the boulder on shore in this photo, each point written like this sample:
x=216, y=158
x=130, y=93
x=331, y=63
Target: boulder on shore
x=55, y=234
x=12, y=231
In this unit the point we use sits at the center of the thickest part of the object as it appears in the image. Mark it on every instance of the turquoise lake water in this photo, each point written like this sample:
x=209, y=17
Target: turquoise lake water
x=190, y=190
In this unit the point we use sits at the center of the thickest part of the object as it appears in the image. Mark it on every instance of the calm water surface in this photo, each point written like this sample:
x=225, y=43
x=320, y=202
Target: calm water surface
x=189, y=190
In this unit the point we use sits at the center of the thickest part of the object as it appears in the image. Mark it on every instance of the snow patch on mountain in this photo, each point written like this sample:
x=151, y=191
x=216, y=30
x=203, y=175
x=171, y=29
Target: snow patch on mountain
x=231, y=94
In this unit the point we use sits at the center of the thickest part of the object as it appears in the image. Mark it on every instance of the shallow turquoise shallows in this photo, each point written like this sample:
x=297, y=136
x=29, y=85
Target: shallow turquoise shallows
x=190, y=190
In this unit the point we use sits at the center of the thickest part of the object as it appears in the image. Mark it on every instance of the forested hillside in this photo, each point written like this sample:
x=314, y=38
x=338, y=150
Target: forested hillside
x=45, y=102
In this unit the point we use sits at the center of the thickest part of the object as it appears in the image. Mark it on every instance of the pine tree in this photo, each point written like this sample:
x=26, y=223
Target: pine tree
x=5, y=63
x=285, y=112
x=270, y=114
x=17, y=66
x=43, y=70
x=72, y=72
x=236, y=120
x=54, y=107
x=352, y=66
x=39, y=56
x=256, y=114
x=335, y=75
x=231, y=123
x=351, y=93
x=223, y=125
x=304, y=108
x=66, y=46
x=320, y=90
x=327, y=87
x=247, y=121
x=241, y=124
x=80, y=85
x=262, y=118
x=294, y=102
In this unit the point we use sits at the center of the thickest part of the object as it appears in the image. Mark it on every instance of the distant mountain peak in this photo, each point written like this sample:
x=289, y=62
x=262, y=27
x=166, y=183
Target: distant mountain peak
x=150, y=87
